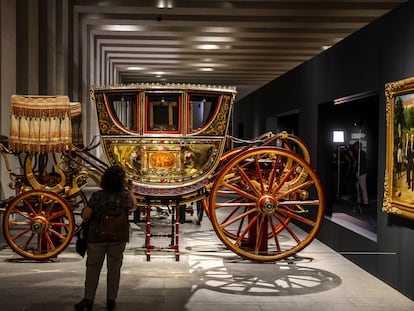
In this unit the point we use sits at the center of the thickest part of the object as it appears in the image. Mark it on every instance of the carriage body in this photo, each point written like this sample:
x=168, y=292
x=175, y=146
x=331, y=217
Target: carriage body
x=169, y=138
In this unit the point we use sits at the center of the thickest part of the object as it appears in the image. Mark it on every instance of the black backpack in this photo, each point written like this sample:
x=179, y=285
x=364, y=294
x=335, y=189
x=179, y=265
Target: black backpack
x=114, y=225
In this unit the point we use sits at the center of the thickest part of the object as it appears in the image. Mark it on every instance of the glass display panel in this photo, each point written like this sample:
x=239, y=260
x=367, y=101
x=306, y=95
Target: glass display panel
x=201, y=110
x=124, y=109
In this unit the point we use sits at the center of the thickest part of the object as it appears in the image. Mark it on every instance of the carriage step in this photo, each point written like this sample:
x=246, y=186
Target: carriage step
x=162, y=248
x=161, y=235
x=173, y=248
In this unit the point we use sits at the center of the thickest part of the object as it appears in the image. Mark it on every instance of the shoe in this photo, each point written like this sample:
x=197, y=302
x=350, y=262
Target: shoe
x=84, y=304
x=110, y=304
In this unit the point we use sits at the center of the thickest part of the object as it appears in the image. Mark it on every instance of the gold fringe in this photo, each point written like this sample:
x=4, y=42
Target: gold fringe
x=17, y=146
x=40, y=106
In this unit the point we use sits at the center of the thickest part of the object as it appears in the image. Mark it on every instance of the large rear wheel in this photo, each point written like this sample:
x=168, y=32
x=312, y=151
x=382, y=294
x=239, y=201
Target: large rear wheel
x=266, y=204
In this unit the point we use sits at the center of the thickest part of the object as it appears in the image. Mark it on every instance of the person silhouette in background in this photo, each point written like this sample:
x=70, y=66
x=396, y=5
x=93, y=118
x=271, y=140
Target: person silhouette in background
x=359, y=158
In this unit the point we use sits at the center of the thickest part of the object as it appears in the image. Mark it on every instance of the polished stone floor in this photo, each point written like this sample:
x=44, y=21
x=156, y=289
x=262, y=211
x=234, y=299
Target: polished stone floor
x=207, y=277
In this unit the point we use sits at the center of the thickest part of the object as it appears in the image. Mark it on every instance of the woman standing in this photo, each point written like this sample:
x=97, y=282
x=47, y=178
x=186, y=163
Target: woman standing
x=114, y=196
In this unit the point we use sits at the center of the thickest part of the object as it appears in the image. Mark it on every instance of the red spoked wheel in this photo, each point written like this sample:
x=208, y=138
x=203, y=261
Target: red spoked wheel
x=38, y=224
x=266, y=204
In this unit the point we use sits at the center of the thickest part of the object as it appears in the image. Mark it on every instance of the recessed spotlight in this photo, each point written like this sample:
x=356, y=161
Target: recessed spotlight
x=165, y=4
x=220, y=29
x=213, y=39
x=135, y=68
x=122, y=28
x=207, y=69
x=208, y=46
x=205, y=65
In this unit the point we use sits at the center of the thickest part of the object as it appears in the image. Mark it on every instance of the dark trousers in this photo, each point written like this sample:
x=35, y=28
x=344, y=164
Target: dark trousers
x=114, y=252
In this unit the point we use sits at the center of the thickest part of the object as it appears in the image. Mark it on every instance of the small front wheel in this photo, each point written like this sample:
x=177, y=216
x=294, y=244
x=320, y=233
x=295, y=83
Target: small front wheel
x=38, y=224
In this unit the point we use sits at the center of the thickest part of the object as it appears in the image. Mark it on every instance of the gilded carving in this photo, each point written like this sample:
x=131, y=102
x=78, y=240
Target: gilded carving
x=106, y=124
x=218, y=127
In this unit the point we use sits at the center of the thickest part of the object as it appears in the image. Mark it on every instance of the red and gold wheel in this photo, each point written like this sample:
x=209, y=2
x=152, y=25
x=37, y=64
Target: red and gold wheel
x=38, y=224
x=266, y=204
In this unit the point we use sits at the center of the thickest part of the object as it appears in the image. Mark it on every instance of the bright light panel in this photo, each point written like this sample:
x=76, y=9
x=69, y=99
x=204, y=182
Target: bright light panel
x=208, y=46
x=338, y=136
x=135, y=68
x=122, y=28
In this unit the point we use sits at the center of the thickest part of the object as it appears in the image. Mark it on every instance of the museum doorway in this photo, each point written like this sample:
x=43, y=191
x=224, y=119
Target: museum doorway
x=344, y=125
x=288, y=122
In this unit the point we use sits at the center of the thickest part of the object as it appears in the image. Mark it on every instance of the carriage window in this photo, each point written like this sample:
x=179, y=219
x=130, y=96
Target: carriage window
x=201, y=110
x=124, y=109
x=162, y=112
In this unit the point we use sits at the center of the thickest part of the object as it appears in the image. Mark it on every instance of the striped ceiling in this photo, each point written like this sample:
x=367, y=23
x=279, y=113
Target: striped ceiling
x=239, y=43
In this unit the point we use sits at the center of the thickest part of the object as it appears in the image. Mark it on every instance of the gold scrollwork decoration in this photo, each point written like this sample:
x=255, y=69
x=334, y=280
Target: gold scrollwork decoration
x=219, y=126
x=106, y=125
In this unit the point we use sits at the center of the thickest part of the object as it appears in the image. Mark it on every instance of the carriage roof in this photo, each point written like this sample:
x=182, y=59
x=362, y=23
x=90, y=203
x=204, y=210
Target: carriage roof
x=166, y=86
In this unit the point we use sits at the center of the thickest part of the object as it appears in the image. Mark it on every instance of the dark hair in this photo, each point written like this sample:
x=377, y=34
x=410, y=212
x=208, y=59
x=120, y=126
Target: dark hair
x=113, y=179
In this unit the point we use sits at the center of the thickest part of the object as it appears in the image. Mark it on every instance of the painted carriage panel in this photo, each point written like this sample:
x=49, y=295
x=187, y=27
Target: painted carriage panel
x=165, y=163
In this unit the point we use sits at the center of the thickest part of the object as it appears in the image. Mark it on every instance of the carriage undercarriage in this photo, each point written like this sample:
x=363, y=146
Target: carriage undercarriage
x=262, y=197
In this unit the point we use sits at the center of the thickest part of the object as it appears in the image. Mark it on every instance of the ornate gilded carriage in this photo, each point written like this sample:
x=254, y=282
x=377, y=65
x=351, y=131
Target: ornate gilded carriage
x=264, y=200
x=169, y=138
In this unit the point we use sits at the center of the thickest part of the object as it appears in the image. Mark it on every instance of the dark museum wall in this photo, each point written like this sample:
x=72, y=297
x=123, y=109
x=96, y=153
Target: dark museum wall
x=358, y=66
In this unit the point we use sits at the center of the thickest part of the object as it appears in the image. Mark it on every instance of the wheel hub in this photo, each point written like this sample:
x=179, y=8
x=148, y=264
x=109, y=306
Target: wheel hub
x=267, y=205
x=303, y=195
x=38, y=224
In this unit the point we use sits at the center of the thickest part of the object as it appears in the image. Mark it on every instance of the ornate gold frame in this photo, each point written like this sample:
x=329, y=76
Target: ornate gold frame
x=398, y=198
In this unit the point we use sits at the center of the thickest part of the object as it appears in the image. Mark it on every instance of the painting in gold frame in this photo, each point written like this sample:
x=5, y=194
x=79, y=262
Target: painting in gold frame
x=399, y=171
